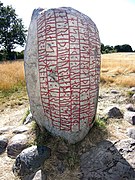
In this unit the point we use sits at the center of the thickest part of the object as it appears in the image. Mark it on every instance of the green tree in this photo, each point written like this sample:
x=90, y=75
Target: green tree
x=123, y=48
x=102, y=48
x=107, y=49
x=127, y=48
x=12, y=30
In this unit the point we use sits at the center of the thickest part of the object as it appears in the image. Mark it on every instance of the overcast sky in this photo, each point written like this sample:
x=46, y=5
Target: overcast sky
x=115, y=19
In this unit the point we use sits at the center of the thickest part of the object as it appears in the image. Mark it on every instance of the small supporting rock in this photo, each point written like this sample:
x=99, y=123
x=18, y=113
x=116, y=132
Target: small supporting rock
x=113, y=91
x=132, y=89
x=130, y=107
x=20, y=129
x=16, y=144
x=39, y=175
x=133, y=97
x=3, y=144
x=30, y=160
x=28, y=119
x=130, y=117
x=131, y=132
x=6, y=129
x=114, y=112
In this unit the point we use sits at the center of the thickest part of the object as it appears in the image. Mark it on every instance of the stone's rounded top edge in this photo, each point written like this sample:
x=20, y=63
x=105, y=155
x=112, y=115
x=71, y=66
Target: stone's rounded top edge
x=37, y=12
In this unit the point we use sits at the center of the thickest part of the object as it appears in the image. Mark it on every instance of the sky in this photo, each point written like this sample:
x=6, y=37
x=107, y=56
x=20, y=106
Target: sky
x=115, y=19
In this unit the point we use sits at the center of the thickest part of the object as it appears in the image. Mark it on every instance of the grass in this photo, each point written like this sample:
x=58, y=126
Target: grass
x=12, y=83
x=130, y=94
x=25, y=115
x=101, y=122
x=118, y=69
x=11, y=75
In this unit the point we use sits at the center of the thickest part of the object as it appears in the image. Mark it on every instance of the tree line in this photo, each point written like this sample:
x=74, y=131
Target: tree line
x=13, y=33
x=105, y=49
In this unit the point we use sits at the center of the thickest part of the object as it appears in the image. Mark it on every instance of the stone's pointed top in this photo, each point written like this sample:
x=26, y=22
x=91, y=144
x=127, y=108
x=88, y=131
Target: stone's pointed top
x=36, y=12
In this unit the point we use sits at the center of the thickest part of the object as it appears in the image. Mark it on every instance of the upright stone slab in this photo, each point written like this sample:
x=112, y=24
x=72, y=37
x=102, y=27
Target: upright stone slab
x=62, y=68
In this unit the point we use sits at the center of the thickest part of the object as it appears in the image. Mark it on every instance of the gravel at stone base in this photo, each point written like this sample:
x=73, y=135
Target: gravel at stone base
x=11, y=118
x=107, y=99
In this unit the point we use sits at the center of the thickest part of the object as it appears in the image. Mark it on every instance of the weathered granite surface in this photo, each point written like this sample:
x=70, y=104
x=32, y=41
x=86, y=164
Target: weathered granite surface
x=62, y=69
x=109, y=161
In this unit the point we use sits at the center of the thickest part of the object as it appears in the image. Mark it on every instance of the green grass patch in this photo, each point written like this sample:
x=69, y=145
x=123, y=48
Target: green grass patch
x=14, y=96
x=8, y=92
x=25, y=115
x=101, y=122
x=130, y=94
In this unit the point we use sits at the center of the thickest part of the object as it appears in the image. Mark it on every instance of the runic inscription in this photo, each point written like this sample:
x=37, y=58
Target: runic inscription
x=68, y=70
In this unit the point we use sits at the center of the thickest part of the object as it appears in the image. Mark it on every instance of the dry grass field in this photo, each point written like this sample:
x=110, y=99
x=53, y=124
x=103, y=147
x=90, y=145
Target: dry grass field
x=118, y=69
x=11, y=75
x=12, y=84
